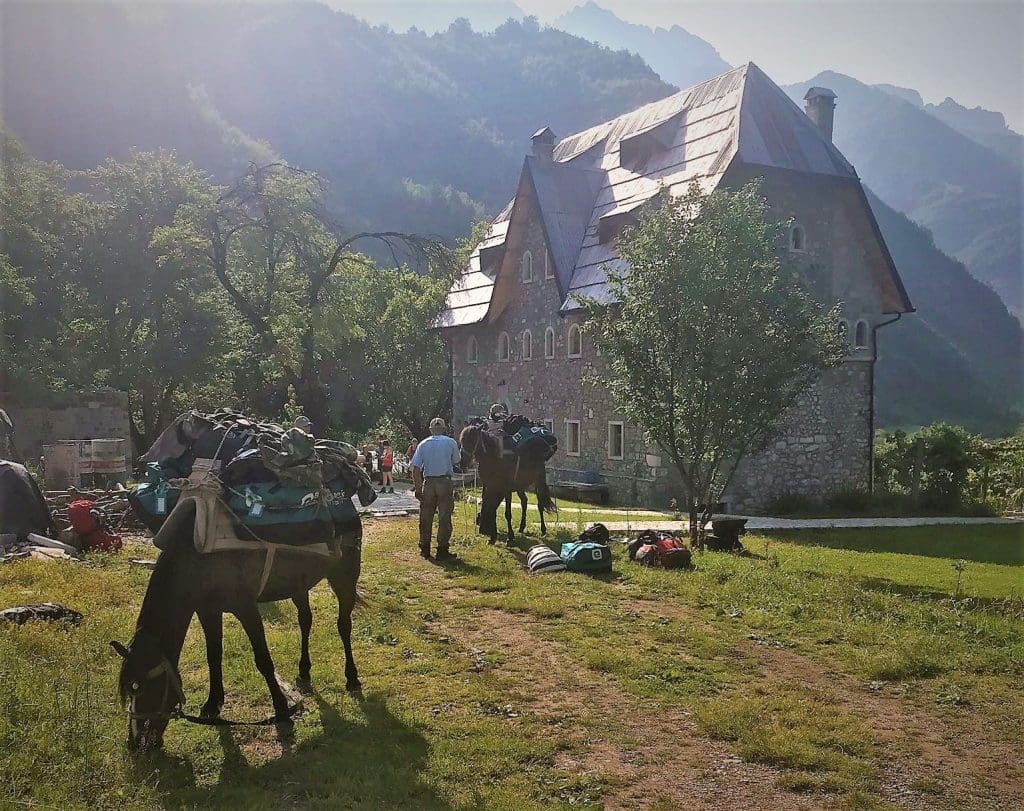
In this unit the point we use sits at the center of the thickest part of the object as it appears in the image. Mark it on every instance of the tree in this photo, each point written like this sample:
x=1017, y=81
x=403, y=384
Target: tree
x=711, y=338
x=280, y=257
x=155, y=328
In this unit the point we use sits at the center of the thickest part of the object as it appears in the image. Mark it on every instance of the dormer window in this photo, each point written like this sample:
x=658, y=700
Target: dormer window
x=797, y=238
x=526, y=266
x=637, y=149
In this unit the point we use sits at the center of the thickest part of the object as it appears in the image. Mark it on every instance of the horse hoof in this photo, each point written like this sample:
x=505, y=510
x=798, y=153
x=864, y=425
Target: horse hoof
x=354, y=686
x=303, y=683
x=209, y=711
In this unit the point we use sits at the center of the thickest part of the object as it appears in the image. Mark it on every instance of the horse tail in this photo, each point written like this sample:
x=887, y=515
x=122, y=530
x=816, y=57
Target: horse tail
x=544, y=501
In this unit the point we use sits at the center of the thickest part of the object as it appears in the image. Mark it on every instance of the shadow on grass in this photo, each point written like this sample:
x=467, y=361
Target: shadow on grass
x=370, y=762
x=998, y=543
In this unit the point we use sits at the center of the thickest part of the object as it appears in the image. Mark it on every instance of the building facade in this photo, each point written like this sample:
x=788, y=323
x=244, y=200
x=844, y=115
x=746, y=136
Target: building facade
x=512, y=322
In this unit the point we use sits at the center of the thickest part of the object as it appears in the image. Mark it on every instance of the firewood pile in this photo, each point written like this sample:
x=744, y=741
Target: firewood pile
x=112, y=504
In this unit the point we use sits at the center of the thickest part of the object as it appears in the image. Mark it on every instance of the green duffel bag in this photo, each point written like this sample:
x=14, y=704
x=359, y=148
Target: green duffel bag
x=584, y=556
x=153, y=500
x=276, y=513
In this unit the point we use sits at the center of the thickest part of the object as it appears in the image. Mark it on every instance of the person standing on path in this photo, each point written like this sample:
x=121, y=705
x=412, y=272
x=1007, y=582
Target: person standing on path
x=387, y=465
x=433, y=465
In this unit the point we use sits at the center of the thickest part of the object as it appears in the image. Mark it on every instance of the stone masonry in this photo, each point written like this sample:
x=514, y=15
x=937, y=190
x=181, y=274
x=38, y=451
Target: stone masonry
x=825, y=442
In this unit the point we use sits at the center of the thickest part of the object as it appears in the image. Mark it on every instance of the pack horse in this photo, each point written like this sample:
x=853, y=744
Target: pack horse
x=510, y=453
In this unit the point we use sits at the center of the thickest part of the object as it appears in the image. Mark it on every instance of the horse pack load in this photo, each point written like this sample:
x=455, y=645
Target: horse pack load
x=278, y=486
x=522, y=437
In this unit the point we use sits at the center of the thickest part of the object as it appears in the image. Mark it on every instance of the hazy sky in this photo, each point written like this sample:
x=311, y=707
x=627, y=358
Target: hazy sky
x=968, y=49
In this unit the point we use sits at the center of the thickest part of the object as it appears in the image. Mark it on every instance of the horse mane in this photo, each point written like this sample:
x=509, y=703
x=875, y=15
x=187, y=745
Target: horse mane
x=487, y=441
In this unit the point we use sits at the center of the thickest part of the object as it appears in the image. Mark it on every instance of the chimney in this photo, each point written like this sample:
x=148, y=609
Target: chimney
x=543, y=141
x=821, y=109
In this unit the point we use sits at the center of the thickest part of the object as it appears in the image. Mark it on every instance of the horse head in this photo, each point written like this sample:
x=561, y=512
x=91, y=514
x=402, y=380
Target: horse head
x=471, y=444
x=150, y=685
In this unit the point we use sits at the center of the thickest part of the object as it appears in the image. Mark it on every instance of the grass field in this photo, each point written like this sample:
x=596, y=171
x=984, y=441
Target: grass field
x=816, y=672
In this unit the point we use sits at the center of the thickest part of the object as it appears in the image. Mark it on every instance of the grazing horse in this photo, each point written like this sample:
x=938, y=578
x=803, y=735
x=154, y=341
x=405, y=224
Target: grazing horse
x=502, y=476
x=186, y=583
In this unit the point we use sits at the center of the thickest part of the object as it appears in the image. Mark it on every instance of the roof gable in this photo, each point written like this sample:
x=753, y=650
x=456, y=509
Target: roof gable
x=613, y=168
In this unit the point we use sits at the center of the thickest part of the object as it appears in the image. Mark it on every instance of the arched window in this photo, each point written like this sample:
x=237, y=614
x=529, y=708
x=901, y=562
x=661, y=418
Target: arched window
x=527, y=345
x=503, y=346
x=575, y=342
x=472, y=352
x=860, y=335
x=549, y=271
x=527, y=267
x=797, y=238
x=549, y=343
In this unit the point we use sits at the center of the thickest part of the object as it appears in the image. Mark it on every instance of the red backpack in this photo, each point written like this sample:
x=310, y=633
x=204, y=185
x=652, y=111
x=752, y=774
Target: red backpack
x=85, y=522
x=388, y=459
x=673, y=553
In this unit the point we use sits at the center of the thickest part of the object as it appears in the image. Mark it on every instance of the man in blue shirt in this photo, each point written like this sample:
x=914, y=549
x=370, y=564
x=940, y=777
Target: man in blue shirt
x=432, y=467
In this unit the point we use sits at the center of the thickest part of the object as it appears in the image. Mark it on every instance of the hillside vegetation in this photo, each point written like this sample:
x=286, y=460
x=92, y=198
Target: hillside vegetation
x=427, y=133
x=967, y=194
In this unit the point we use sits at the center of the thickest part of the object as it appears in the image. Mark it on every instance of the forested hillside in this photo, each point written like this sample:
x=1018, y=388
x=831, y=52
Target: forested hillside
x=427, y=133
x=968, y=195
x=422, y=132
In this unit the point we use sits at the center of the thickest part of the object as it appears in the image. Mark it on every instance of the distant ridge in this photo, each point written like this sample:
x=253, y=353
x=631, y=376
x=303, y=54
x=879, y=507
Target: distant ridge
x=676, y=55
x=966, y=193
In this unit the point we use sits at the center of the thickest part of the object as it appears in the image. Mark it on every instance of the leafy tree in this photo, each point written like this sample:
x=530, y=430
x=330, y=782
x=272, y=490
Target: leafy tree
x=281, y=261
x=155, y=328
x=711, y=338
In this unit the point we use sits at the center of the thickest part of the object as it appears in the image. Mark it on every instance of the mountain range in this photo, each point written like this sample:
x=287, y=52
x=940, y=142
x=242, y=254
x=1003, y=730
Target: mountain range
x=427, y=133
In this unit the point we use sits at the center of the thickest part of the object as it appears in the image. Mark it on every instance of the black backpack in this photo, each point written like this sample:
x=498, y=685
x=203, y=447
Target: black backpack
x=596, y=534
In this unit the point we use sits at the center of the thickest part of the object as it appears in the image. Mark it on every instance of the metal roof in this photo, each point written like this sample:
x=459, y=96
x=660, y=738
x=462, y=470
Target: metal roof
x=741, y=115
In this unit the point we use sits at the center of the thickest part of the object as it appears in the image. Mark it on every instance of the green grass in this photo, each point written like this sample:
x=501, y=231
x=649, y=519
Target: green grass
x=450, y=718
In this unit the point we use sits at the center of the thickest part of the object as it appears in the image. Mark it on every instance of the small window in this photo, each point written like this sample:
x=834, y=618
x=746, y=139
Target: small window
x=575, y=342
x=616, y=444
x=549, y=343
x=503, y=346
x=549, y=271
x=550, y=425
x=472, y=351
x=572, y=437
x=860, y=336
x=527, y=267
x=527, y=345
x=797, y=238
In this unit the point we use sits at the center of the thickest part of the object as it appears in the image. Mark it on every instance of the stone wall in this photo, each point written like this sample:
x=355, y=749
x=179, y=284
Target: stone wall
x=825, y=442
x=96, y=415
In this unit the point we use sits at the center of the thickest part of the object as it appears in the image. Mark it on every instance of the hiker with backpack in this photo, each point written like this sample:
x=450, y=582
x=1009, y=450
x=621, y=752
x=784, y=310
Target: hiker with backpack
x=433, y=466
x=387, y=465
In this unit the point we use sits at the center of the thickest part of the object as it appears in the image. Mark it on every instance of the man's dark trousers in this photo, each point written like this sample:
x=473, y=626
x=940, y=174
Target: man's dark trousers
x=438, y=496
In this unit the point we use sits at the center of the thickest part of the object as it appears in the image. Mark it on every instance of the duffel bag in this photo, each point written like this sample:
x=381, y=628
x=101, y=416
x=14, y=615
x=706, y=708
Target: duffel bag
x=647, y=555
x=673, y=553
x=543, y=558
x=153, y=500
x=583, y=556
x=278, y=514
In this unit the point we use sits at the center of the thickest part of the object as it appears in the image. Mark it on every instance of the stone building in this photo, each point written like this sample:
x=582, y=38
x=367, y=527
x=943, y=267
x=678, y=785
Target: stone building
x=512, y=319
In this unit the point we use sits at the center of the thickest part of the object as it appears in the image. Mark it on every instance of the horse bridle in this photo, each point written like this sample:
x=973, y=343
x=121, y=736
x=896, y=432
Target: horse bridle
x=178, y=710
x=173, y=681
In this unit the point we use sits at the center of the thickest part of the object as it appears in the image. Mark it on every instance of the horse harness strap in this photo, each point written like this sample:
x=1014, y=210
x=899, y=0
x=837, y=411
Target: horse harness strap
x=177, y=711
